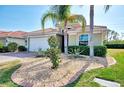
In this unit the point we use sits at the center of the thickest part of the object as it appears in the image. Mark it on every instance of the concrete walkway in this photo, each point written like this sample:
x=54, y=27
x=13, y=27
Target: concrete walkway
x=4, y=59
x=8, y=57
x=106, y=83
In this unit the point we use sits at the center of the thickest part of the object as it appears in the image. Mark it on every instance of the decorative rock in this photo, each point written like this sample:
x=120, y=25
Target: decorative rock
x=40, y=74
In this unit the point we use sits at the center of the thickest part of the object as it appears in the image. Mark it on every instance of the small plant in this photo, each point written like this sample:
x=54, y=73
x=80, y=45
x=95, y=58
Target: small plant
x=5, y=49
x=22, y=48
x=12, y=47
x=54, y=52
x=1, y=45
x=84, y=50
x=41, y=53
x=53, y=42
x=75, y=52
x=54, y=55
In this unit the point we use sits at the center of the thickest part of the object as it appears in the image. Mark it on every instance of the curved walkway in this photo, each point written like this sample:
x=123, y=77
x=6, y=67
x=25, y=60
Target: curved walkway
x=40, y=74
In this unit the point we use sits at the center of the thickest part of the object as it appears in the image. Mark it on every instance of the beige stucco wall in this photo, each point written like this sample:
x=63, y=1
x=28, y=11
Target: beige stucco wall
x=2, y=40
x=99, y=34
x=19, y=41
x=97, y=39
x=74, y=38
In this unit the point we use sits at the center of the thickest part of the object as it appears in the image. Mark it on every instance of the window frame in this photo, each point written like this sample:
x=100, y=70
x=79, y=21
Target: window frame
x=83, y=42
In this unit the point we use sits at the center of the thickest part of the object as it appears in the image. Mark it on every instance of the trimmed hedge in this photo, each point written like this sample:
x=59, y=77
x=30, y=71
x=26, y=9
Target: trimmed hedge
x=84, y=50
x=4, y=49
x=115, y=46
x=100, y=51
x=22, y=48
x=12, y=46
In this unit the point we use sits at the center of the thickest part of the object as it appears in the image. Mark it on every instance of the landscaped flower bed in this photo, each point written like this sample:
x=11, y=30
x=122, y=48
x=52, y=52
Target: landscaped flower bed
x=39, y=74
x=84, y=50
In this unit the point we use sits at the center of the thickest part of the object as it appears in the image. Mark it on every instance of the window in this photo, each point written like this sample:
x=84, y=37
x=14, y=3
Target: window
x=26, y=42
x=83, y=40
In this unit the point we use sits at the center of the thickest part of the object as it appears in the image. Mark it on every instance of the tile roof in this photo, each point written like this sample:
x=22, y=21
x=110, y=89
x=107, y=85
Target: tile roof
x=18, y=34
x=41, y=32
x=74, y=27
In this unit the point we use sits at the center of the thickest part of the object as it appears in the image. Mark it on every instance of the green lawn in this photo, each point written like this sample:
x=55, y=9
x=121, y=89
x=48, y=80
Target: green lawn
x=113, y=73
x=6, y=71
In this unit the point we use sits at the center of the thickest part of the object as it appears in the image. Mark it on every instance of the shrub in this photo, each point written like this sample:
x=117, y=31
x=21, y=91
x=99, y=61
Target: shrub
x=5, y=49
x=41, y=53
x=1, y=45
x=1, y=50
x=22, y=48
x=54, y=52
x=115, y=46
x=53, y=42
x=114, y=42
x=54, y=55
x=100, y=51
x=72, y=49
x=12, y=47
x=84, y=50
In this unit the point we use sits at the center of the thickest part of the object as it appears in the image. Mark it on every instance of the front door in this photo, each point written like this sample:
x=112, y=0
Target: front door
x=61, y=42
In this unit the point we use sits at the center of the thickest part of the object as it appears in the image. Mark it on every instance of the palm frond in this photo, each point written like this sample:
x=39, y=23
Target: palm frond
x=107, y=7
x=47, y=16
x=62, y=10
x=78, y=18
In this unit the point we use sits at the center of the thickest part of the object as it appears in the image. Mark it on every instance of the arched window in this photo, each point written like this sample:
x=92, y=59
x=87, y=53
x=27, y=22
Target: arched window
x=83, y=39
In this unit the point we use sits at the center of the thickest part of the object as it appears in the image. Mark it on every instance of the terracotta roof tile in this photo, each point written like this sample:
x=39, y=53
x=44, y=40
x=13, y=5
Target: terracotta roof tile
x=41, y=32
x=18, y=34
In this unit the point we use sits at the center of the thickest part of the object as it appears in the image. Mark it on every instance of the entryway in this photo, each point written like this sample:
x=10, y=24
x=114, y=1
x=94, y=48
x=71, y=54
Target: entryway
x=61, y=42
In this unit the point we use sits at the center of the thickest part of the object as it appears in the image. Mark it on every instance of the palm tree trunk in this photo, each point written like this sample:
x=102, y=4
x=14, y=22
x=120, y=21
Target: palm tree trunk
x=65, y=42
x=91, y=30
x=65, y=38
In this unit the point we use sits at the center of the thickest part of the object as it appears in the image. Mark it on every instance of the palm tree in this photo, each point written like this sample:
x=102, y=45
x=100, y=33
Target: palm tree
x=91, y=30
x=60, y=14
x=92, y=26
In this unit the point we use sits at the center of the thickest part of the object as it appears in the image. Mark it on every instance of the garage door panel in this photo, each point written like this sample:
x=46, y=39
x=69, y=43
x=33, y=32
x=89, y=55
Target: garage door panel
x=38, y=43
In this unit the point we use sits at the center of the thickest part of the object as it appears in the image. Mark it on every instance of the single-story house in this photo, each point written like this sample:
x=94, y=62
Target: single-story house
x=39, y=39
x=18, y=37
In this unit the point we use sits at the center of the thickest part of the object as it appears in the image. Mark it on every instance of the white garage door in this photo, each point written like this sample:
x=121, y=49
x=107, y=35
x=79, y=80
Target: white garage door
x=38, y=43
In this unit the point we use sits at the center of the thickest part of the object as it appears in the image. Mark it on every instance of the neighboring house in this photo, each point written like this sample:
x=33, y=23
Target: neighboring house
x=39, y=40
x=18, y=37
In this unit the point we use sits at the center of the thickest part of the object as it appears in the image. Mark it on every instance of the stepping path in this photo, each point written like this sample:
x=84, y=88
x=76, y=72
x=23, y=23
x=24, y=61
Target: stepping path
x=106, y=83
x=40, y=74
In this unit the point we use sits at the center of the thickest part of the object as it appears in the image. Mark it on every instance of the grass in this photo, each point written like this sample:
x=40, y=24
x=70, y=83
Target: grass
x=113, y=73
x=6, y=71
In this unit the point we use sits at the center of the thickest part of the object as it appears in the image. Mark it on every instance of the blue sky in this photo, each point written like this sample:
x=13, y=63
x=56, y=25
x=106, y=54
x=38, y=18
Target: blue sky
x=27, y=18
